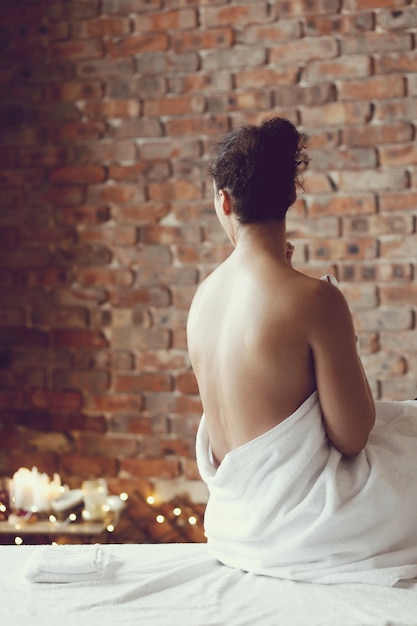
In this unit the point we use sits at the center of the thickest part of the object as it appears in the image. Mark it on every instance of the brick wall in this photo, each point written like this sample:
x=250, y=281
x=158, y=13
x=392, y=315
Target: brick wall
x=107, y=113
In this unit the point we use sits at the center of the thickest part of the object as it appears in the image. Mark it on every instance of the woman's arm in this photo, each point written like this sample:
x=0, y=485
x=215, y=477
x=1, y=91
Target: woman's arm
x=345, y=396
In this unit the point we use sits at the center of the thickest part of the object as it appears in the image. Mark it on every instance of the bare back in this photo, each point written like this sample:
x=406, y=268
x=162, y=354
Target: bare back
x=248, y=343
x=262, y=337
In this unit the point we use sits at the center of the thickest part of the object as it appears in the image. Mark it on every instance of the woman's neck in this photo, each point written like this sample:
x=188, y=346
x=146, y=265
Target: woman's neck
x=262, y=237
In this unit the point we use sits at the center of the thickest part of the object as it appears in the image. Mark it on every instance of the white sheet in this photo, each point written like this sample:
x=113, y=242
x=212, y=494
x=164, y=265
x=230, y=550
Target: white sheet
x=288, y=504
x=181, y=585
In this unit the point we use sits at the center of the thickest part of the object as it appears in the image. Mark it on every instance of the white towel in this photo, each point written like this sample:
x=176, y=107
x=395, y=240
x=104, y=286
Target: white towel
x=288, y=504
x=66, y=564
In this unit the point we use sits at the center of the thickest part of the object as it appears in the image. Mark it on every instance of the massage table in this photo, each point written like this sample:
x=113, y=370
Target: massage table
x=181, y=584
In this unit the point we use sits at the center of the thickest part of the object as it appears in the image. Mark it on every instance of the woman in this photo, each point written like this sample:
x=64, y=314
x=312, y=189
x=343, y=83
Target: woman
x=296, y=488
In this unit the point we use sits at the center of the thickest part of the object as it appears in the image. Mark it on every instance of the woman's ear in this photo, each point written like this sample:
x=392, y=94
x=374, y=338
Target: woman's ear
x=225, y=201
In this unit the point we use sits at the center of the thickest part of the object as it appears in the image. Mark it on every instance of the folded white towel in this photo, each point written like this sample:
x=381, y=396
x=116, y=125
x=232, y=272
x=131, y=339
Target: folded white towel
x=66, y=564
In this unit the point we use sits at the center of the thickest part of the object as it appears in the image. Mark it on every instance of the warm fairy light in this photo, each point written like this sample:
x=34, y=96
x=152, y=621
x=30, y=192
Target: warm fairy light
x=150, y=500
x=160, y=519
x=192, y=520
x=2, y=508
x=123, y=496
x=52, y=519
x=106, y=508
x=110, y=528
x=72, y=517
x=177, y=511
x=18, y=541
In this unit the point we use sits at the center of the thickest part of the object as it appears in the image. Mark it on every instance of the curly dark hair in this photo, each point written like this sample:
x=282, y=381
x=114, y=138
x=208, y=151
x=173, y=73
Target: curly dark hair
x=261, y=168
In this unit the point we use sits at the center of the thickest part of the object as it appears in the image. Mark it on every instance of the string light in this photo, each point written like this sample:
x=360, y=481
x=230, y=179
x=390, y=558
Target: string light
x=18, y=541
x=123, y=496
x=150, y=500
x=192, y=520
x=177, y=511
x=160, y=519
x=110, y=528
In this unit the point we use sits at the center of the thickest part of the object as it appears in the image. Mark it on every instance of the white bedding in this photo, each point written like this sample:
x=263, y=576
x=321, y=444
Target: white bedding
x=289, y=504
x=181, y=585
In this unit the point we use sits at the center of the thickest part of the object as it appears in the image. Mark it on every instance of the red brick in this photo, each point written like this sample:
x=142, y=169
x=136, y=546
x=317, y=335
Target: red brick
x=140, y=338
x=378, y=225
x=287, y=8
x=142, y=382
x=206, y=125
x=77, y=338
x=107, y=445
x=78, y=174
x=371, y=180
x=399, y=201
x=138, y=44
x=233, y=58
x=398, y=18
x=396, y=62
x=168, y=20
x=115, y=193
x=45, y=462
x=104, y=68
x=78, y=379
x=339, y=113
x=387, y=318
x=371, y=4
x=239, y=101
x=126, y=7
x=131, y=423
x=305, y=48
x=156, y=468
x=401, y=388
x=77, y=49
x=378, y=86
x=74, y=90
x=54, y=400
x=76, y=131
x=399, y=294
x=154, y=295
x=186, y=383
x=202, y=82
x=336, y=159
x=104, y=109
x=395, y=109
x=102, y=26
x=396, y=246
x=180, y=190
x=62, y=196
x=354, y=66
x=88, y=277
x=363, y=248
x=398, y=342
x=151, y=360
x=145, y=212
x=174, y=106
x=376, y=134
x=77, y=421
x=105, y=151
x=134, y=128
x=170, y=234
x=83, y=215
x=82, y=465
x=112, y=402
x=338, y=23
x=200, y=40
x=404, y=154
x=341, y=204
x=371, y=42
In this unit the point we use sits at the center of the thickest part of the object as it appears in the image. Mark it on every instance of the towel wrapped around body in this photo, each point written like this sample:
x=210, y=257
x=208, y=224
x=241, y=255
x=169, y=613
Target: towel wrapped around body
x=288, y=504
